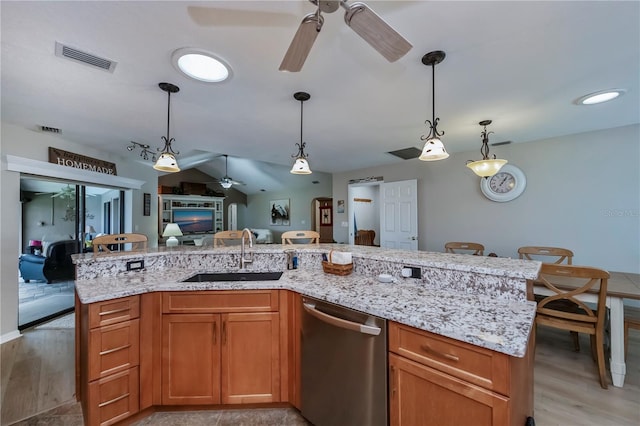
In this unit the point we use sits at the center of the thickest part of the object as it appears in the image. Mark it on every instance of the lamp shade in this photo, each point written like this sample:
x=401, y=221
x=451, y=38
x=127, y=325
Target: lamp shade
x=90, y=229
x=433, y=150
x=301, y=167
x=172, y=230
x=167, y=163
x=486, y=168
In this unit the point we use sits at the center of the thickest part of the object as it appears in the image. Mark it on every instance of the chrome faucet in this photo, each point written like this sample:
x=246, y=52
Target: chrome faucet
x=244, y=260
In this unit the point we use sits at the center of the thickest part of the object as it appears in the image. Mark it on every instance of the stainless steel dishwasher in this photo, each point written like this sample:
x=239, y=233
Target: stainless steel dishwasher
x=344, y=366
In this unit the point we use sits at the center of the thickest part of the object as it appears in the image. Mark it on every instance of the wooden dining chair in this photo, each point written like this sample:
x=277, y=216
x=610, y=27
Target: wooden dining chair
x=226, y=238
x=558, y=255
x=365, y=237
x=465, y=248
x=116, y=242
x=300, y=237
x=582, y=319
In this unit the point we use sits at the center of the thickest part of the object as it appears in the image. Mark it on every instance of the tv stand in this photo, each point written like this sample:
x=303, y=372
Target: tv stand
x=167, y=204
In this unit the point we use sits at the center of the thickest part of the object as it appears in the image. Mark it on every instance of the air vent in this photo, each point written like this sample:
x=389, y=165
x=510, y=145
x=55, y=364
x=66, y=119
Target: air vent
x=84, y=57
x=501, y=143
x=406, y=153
x=49, y=129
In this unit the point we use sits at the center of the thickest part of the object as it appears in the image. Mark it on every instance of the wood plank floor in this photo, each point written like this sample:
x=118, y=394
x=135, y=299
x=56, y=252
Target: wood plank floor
x=37, y=374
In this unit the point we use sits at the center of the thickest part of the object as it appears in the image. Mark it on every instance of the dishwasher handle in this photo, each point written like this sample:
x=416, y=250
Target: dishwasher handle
x=339, y=322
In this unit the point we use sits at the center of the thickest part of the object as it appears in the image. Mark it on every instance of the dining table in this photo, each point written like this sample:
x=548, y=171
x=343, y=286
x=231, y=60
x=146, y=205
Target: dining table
x=620, y=286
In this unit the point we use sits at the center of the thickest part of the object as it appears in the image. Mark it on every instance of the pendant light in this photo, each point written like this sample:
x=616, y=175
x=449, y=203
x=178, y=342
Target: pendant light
x=301, y=165
x=487, y=166
x=433, y=147
x=167, y=161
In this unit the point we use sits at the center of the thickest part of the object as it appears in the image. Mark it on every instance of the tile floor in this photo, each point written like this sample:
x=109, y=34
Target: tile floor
x=39, y=300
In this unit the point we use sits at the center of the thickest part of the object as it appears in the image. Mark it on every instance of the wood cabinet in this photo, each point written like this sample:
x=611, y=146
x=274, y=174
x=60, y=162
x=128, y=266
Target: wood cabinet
x=109, y=358
x=434, y=380
x=227, y=352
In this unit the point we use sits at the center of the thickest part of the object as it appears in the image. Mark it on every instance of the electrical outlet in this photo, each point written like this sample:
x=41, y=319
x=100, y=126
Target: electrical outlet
x=135, y=265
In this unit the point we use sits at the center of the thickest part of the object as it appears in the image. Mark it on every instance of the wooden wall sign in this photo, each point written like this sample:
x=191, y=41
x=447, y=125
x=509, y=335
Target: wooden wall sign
x=77, y=161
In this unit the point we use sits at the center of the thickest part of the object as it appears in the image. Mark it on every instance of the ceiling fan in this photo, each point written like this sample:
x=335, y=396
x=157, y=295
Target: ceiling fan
x=226, y=181
x=68, y=193
x=359, y=17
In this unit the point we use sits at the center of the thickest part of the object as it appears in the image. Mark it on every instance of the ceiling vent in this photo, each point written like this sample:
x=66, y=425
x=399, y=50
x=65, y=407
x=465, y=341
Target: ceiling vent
x=49, y=129
x=84, y=57
x=406, y=153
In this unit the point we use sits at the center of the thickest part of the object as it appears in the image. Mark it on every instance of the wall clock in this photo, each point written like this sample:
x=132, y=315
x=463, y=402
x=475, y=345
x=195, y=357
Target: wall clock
x=505, y=185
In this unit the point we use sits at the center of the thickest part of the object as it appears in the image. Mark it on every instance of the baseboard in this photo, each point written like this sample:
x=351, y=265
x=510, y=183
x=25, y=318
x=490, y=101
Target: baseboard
x=7, y=337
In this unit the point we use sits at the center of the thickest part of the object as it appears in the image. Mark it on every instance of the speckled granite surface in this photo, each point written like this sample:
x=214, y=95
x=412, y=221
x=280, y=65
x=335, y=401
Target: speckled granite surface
x=479, y=300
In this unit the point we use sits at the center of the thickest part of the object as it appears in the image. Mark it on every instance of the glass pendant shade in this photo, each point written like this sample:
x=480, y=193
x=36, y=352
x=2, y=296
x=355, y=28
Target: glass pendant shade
x=486, y=168
x=301, y=167
x=167, y=163
x=433, y=150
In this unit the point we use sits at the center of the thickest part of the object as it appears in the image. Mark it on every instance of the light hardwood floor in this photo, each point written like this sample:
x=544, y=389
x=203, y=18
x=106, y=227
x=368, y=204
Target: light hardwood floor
x=38, y=373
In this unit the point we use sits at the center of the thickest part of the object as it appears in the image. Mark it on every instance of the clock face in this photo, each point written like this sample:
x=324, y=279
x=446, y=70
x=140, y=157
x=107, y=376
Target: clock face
x=505, y=185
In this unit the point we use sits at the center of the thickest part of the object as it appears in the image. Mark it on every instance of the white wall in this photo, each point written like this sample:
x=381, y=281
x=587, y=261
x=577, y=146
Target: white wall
x=34, y=145
x=258, y=212
x=583, y=193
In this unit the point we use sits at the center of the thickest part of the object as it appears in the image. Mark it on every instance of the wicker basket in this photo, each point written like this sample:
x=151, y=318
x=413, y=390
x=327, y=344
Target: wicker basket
x=335, y=269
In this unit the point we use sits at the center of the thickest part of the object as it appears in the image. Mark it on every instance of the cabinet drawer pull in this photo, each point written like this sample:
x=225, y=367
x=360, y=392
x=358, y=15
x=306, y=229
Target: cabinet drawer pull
x=428, y=349
x=102, y=404
x=115, y=311
x=119, y=348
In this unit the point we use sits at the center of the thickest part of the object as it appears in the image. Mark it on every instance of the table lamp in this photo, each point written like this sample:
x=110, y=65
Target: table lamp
x=172, y=230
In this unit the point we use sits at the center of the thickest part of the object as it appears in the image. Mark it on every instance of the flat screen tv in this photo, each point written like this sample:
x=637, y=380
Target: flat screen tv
x=194, y=221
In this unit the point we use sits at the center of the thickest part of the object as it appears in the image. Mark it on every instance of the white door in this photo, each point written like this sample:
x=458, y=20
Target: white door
x=232, y=211
x=399, y=215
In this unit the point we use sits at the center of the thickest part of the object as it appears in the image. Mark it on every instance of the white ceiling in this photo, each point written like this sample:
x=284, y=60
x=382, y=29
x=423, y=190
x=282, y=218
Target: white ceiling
x=520, y=64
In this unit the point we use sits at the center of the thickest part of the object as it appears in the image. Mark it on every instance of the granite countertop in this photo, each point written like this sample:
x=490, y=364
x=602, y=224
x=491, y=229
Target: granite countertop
x=495, y=323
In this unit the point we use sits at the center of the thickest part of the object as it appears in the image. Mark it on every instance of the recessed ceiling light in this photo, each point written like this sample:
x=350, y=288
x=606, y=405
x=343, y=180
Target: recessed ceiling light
x=599, y=97
x=201, y=65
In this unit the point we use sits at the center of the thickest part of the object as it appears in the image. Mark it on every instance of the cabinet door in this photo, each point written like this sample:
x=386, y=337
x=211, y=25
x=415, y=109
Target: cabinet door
x=250, y=358
x=190, y=359
x=421, y=396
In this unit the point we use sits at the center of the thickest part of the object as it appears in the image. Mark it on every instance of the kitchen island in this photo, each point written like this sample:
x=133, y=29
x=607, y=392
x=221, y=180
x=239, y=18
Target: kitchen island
x=476, y=301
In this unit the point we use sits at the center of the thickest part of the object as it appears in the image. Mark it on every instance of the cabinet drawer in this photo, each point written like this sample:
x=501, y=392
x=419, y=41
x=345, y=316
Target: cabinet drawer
x=114, y=348
x=114, y=311
x=202, y=302
x=113, y=398
x=476, y=365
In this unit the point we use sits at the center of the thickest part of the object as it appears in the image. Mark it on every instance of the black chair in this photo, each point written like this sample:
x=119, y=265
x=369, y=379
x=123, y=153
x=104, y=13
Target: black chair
x=56, y=264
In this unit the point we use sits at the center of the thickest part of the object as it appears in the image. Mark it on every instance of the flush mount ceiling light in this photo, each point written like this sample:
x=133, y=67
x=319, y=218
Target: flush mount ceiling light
x=433, y=147
x=487, y=166
x=167, y=161
x=201, y=65
x=364, y=21
x=599, y=97
x=301, y=165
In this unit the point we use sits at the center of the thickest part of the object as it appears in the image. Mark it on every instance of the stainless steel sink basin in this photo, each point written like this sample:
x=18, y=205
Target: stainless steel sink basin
x=234, y=276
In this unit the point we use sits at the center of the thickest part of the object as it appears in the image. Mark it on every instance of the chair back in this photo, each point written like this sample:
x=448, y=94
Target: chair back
x=300, y=237
x=226, y=238
x=115, y=242
x=560, y=255
x=365, y=237
x=564, y=309
x=460, y=247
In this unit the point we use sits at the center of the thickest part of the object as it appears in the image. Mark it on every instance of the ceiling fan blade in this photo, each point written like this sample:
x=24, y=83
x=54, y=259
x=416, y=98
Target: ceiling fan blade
x=205, y=16
x=302, y=42
x=375, y=31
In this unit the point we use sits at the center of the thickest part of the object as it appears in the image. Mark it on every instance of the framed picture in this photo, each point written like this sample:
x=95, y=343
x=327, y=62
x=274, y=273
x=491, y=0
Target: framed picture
x=325, y=216
x=146, y=204
x=340, y=206
x=279, y=211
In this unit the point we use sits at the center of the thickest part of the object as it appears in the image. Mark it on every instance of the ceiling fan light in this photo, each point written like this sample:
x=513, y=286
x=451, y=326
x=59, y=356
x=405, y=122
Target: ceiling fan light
x=375, y=31
x=167, y=163
x=302, y=42
x=301, y=167
x=226, y=184
x=433, y=150
x=486, y=168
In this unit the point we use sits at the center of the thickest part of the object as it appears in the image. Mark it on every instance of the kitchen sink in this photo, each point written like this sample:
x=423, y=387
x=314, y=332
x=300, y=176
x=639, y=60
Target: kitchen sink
x=234, y=276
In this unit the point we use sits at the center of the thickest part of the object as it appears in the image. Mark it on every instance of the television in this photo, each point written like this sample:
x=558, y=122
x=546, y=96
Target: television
x=194, y=221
